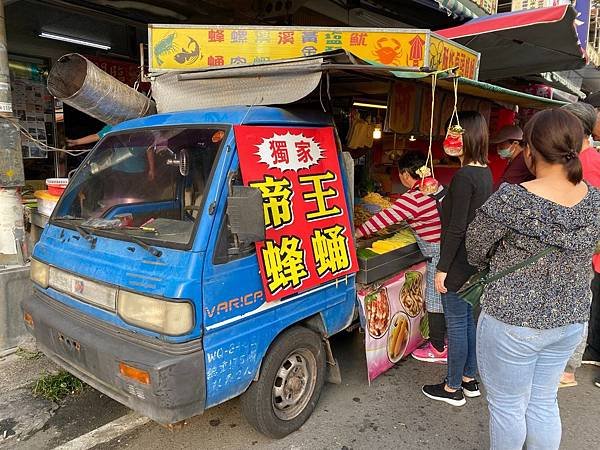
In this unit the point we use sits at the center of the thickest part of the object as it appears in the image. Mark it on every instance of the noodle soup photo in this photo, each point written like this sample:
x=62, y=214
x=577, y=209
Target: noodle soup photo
x=411, y=296
x=392, y=314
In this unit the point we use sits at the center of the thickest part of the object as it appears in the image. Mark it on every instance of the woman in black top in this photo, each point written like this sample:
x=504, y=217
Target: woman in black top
x=470, y=188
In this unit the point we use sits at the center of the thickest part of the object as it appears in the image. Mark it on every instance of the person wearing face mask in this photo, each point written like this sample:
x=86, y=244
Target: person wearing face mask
x=509, y=141
x=420, y=211
x=589, y=156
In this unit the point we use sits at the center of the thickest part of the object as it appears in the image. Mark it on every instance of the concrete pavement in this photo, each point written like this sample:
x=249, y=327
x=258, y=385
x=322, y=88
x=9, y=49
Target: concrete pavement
x=29, y=422
x=390, y=414
x=21, y=414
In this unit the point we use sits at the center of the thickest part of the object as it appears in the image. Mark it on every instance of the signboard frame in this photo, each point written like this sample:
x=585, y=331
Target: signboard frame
x=401, y=47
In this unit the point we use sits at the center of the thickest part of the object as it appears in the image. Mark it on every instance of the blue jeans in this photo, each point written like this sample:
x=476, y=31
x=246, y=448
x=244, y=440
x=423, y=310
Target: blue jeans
x=460, y=328
x=520, y=368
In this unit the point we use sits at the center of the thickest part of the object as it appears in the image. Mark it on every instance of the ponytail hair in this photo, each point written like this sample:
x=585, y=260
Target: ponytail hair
x=556, y=136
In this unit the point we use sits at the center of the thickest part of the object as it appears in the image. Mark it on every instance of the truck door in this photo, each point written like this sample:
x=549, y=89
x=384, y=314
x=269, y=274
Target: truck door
x=236, y=319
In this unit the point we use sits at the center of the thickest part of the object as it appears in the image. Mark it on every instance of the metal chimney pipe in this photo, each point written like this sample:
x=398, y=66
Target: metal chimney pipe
x=81, y=84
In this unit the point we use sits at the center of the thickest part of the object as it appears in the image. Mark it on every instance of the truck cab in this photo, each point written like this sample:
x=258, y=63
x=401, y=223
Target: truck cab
x=145, y=291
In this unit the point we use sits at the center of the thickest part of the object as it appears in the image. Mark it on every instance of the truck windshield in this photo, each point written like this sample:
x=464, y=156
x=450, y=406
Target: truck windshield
x=149, y=183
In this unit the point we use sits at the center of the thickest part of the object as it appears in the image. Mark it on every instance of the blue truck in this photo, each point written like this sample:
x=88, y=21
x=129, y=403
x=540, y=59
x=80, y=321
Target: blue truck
x=145, y=290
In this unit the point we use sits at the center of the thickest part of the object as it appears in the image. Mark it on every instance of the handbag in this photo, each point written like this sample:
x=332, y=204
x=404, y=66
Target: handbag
x=473, y=289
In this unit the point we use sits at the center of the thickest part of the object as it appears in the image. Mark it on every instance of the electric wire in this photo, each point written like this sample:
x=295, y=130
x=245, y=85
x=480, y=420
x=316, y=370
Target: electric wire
x=48, y=148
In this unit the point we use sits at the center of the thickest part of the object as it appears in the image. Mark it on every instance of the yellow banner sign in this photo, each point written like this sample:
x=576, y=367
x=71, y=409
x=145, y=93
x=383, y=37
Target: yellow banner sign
x=190, y=47
x=444, y=54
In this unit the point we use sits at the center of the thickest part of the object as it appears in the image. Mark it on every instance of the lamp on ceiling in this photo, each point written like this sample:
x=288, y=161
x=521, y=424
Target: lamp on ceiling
x=369, y=105
x=73, y=40
x=377, y=132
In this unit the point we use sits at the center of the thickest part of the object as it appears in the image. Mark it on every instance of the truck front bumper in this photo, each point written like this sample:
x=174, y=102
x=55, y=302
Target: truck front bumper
x=92, y=351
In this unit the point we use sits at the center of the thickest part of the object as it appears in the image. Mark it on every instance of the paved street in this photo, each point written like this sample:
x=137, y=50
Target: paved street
x=391, y=413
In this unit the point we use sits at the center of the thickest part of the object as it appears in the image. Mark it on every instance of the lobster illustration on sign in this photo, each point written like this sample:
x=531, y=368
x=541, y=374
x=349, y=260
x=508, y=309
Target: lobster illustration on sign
x=387, y=54
x=190, y=54
x=164, y=47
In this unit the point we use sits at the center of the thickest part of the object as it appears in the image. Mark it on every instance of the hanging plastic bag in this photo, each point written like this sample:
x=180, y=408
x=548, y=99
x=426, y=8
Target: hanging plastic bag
x=428, y=184
x=454, y=143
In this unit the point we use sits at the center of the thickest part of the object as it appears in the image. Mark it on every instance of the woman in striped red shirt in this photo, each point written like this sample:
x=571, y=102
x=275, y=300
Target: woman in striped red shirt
x=420, y=212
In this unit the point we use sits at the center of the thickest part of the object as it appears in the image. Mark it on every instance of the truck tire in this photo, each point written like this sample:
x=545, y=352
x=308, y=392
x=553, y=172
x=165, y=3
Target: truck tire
x=288, y=389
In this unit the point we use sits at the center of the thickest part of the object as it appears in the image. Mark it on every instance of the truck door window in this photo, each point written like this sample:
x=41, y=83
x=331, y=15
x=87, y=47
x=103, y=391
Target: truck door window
x=227, y=248
x=153, y=177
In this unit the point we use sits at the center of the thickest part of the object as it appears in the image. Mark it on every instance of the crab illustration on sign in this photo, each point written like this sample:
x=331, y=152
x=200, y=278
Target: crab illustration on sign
x=189, y=55
x=289, y=152
x=165, y=46
x=387, y=53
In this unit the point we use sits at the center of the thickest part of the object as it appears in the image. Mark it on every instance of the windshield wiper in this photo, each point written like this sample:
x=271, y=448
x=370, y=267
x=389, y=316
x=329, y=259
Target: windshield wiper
x=82, y=231
x=68, y=217
x=149, y=248
x=87, y=236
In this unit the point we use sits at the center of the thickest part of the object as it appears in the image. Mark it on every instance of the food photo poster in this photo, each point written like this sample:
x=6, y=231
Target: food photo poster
x=394, y=318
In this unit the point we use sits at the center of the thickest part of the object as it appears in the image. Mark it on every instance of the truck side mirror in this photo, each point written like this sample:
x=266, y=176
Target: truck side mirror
x=245, y=212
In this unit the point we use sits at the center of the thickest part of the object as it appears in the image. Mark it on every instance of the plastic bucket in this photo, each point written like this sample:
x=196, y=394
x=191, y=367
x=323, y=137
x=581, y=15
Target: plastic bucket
x=56, y=186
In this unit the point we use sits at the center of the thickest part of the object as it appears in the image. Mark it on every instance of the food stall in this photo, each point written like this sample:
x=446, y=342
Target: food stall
x=387, y=91
x=263, y=164
x=392, y=269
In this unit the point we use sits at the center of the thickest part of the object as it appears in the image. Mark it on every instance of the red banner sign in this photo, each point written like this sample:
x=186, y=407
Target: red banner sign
x=308, y=233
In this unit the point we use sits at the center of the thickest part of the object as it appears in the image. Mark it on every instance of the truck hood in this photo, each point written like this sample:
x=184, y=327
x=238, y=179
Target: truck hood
x=122, y=263
x=176, y=274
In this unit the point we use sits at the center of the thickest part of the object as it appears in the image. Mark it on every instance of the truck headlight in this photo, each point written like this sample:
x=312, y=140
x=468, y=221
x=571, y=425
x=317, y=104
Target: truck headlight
x=39, y=273
x=162, y=316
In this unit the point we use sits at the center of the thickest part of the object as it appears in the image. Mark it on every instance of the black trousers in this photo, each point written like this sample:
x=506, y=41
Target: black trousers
x=594, y=324
x=437, y=330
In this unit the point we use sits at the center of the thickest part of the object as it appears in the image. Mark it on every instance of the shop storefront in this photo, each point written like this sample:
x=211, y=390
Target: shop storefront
x=45, y=122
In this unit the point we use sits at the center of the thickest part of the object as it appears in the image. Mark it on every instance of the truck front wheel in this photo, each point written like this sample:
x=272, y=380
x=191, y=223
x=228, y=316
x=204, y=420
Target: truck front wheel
x=289, y=386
